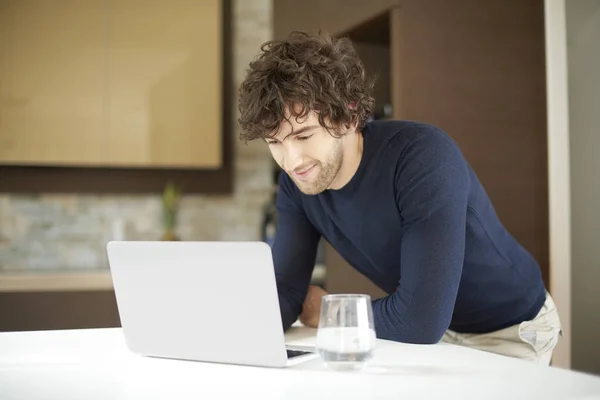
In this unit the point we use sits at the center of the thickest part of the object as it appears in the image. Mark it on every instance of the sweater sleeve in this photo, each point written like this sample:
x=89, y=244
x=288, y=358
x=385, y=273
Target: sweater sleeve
x=432, y=189
x=294, y=252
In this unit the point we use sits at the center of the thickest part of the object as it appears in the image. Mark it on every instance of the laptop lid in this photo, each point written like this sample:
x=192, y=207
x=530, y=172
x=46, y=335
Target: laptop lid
x=206, y=301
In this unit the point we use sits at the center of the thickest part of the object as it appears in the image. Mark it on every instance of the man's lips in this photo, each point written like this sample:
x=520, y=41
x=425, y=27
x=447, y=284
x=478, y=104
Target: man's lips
x=304, y=172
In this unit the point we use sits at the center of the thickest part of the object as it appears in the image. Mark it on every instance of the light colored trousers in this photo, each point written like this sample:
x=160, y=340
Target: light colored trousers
x=532, y=340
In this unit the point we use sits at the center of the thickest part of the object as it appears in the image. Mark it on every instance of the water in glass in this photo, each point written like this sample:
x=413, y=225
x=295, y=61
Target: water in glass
x=346, y=334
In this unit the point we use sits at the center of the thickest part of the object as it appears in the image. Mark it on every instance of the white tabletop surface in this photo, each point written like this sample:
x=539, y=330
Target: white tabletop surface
x=95, y=364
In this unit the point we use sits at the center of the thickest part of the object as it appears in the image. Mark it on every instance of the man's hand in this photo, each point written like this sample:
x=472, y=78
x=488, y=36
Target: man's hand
x=311, y=308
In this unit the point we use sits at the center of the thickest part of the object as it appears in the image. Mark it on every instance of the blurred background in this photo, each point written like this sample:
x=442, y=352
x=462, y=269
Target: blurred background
x=118, y=122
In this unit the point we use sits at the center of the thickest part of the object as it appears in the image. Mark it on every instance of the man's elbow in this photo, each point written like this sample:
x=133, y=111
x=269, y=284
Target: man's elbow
x=418, y=336
x=432, y=337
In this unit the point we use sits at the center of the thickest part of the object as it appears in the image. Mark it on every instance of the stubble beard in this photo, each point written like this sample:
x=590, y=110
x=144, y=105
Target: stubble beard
x=326, y=174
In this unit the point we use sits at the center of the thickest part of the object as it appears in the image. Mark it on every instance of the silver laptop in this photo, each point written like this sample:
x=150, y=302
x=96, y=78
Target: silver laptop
x=201, y=301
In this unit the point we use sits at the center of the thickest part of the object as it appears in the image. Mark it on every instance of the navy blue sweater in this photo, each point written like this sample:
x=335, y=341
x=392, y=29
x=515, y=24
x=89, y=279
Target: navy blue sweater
x=416, y=221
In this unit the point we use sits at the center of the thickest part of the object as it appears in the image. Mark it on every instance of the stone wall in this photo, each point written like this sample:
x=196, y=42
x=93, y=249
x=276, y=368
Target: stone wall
x=61, y=232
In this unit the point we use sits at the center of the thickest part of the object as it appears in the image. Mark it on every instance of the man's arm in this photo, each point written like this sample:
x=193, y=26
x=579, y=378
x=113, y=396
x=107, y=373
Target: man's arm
x=432, y=189
x=294, y=252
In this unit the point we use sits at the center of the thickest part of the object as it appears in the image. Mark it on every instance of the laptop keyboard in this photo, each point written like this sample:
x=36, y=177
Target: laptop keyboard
x=296, y=353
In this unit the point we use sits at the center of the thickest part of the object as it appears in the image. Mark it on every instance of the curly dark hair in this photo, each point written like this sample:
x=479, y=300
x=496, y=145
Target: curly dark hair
x=300, y=74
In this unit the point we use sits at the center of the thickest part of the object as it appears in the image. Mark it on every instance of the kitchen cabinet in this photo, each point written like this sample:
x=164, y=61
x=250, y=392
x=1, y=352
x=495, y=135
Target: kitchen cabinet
x=125, y=83
x=164, y=83
x=52, y=82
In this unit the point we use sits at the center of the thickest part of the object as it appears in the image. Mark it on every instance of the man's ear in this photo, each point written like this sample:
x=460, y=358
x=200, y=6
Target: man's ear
x=351, y=127
x=354, y=124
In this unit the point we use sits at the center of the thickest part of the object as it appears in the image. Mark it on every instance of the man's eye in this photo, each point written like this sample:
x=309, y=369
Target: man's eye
x=271, y=141
x=304, y=137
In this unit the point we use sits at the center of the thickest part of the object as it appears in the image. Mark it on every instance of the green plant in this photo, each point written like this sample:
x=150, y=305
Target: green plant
x=171, y=198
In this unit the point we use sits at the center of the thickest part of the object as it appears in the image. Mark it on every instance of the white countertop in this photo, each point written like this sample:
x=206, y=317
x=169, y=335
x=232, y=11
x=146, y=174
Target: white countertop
x=95, y=364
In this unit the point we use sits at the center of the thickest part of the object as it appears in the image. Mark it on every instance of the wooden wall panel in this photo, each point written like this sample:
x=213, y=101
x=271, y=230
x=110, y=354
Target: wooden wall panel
x=333, y=16
x=476, y=69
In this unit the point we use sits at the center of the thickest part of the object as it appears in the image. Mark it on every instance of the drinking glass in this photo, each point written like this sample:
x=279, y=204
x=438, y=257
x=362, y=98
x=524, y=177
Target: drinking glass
x=346, y=334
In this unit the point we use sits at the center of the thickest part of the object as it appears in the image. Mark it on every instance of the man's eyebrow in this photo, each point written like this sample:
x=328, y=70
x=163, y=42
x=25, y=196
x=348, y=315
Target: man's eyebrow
x=294, y=133
x=301, y=130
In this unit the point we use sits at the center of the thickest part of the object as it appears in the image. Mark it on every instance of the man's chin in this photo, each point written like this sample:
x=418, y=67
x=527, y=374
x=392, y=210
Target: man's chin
x=308, y=188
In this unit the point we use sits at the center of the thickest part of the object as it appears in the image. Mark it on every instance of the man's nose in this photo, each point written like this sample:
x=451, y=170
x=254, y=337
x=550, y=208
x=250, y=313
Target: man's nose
x=292, y=157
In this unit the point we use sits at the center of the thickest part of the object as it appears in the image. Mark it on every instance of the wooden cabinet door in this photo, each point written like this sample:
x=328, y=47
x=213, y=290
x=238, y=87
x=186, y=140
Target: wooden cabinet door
x=118, y=83
x=52, y=74
x=164, y=83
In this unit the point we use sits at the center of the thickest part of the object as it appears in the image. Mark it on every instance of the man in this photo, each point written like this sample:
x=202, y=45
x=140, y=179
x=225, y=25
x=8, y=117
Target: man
x=396, y=199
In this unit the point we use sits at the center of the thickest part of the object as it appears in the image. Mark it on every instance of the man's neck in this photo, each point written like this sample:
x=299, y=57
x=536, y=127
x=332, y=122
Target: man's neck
x=353, y=152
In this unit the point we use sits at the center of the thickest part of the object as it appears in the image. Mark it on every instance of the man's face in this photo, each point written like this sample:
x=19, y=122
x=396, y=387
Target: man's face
x=309, y=154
